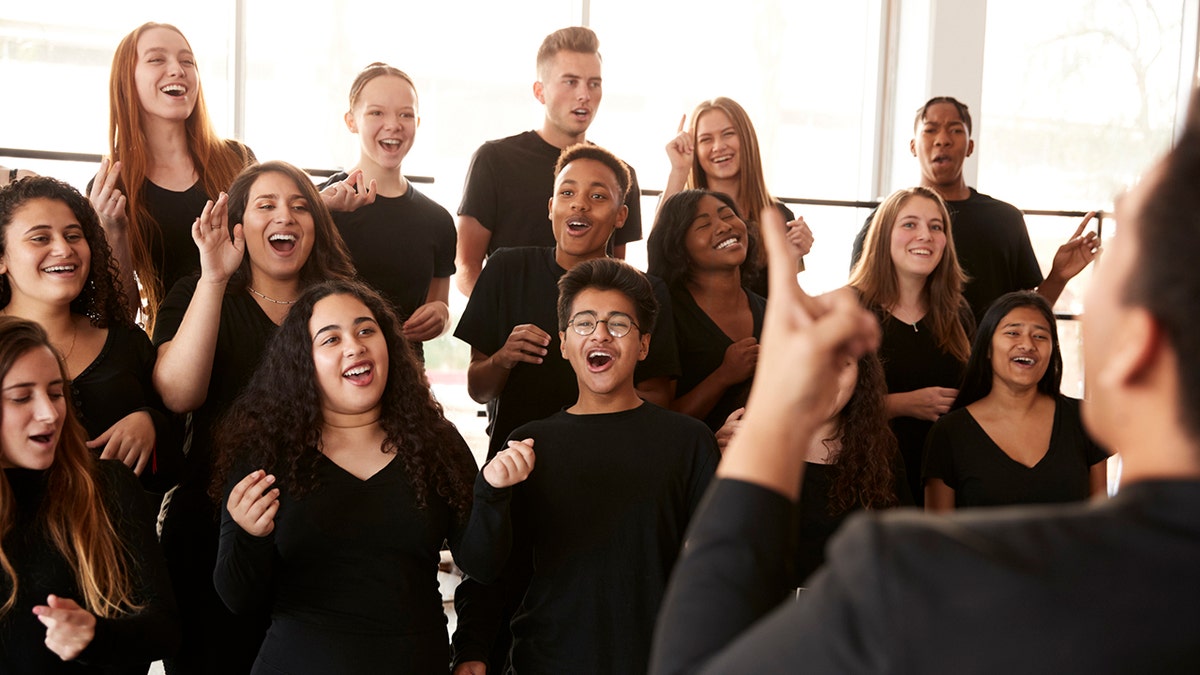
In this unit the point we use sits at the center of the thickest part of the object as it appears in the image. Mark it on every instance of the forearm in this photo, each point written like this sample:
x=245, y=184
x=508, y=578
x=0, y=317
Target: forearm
x=702, y=398
x=486, y=542
x=657, y=390
x=119, y=245
x=184, y=367
x=896, y=405
x=485, y=378
x=1052, y=287
x=676, y=182
x=763, y=452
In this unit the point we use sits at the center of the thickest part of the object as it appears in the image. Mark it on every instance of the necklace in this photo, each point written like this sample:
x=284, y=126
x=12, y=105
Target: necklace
x=74, y=336
x=270, y=299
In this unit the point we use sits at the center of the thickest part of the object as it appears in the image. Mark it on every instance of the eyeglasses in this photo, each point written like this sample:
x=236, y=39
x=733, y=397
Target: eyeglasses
x=618, y=324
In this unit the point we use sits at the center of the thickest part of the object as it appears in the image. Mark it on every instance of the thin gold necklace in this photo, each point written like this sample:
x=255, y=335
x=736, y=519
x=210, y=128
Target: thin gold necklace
x=270, y=299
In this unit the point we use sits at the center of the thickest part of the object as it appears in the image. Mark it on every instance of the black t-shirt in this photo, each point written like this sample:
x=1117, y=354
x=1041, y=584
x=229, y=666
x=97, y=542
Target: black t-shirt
x=399, y=244
x=519, y=286
x=993, y=248
x=756, y=280
x=912, y=360
x=702, y=346
x=963, y=456
x=172, y=252
x=349, y=573
x=508, y=188
x=603, y=515
x=145, y=635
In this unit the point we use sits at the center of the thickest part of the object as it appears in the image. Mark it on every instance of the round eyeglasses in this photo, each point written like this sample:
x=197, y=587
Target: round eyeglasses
x=617, y=324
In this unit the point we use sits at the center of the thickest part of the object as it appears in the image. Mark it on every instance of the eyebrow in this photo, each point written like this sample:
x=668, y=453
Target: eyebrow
x=1020, y=324
x=333, y=326
x=20, y=385
x=163, y=50
x=272, y=195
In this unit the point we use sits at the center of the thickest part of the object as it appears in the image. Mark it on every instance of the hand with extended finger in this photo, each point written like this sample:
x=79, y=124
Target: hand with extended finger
x=740, y=359
x=69, y=627
x=220, y=253
x=510, y=466
x=131, y=441
x=799, y=237
x=349, y=194
x=427, y=322
x=525, y=344
x=253, y=503
x=108, y=200
x=680, y=150
x=928, y=404
x=728, y=430
x=1079, y=251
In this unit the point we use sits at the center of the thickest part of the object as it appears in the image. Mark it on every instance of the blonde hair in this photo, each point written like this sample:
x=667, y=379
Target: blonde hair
x=75, y=515
x=753, y=195
x=216, y=161
x=874, y=275
x=372, y=71
x=572, y=39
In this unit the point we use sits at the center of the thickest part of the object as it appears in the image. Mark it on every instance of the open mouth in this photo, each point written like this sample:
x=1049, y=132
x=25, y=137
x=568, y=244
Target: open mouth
x=923, y=252
x=582, y=113
x=578, y=224
x=282, y=242
x=59, y=269
x=1024, y=361
x=174, y=90
x=42, y=438
x=391, y=143
x=722, y=159
x=599, y=360
x=359, y=373
x=732, y=241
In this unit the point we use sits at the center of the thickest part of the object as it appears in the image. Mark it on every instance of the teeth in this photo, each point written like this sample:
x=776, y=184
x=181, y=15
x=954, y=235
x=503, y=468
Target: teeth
x=174, y=89
x=354, y=372
x=1025, y=360
x=390, y=141
x=727, y=243
x=280, y=236
x=722, y=159
x=59, y=268
x=921, y=251
x=576, y=223
x=597, y=353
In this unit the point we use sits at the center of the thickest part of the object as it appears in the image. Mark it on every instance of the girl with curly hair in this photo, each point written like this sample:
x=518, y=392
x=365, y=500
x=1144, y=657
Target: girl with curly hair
x=853, y=463
x=260, y=247
x=702, y=249
x=341, y=478
x=83, y=587
x=57, y=270
x=910, y=277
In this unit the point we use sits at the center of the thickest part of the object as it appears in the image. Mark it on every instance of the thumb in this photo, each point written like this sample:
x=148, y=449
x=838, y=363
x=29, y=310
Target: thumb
x=56, y=602
x=101, y=440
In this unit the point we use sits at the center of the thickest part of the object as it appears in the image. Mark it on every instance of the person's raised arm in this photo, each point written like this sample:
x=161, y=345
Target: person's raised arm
x=184, y=365
x=110, y=206
x=1070, y=259
x=680, y=152
x=473, y=241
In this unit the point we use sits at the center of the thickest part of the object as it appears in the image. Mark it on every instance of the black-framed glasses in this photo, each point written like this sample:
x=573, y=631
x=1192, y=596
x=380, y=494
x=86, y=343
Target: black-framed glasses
x=617, y=324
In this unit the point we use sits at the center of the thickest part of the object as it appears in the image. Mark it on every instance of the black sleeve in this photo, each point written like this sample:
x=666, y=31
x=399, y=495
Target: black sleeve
x=478, y=324
x=245, y=563
x=632, y=230
x=152, y=633
x=663, y=358
x=479, y=191
x=447, y=243
x=939, y=452
x=859, y=240
x=166, y=464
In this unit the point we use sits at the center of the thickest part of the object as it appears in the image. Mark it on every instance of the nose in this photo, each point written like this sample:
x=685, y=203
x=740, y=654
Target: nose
x=606, y=336
x=943, y=138
x=60, y=247
x=44, y=409
x=353, y=346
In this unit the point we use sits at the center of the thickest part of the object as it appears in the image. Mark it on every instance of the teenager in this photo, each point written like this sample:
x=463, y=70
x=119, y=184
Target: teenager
x=260, y=247
x=402, y=242
x=1013, y=437
x=509, y=180
x=83, y=586
x=604, y=510
x=341, y=478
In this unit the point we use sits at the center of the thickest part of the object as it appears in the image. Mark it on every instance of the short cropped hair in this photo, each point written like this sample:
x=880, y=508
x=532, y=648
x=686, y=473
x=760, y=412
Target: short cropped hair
x=963, y=112
x=608, y=274
x=573, y=39
x=591, y=151
x=1165, y=280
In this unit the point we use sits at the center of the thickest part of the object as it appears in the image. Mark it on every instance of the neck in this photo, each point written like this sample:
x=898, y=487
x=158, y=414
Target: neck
x=593, y=403
x=716, y=284
x=911, y=295
x=281, y=290
x=732, y=187
x=558, y=139
x=166, y=141
x=568, y=261
x=820, y=448
x=954, y=191
x=1014, y=400
x=388, y=182
x=351, y=429
x=56, y=319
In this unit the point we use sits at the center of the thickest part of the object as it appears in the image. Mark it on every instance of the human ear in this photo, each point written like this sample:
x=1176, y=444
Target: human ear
x=350, y=123
x=539, y=92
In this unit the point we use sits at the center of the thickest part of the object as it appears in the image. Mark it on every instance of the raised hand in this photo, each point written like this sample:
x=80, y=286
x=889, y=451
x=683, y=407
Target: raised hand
x=1077, y=253
x=131, y=440
x=680, y=150
x=510, y=466
x=108, y=200
x=253, y=503
x=349, y=194
x=799, y=237
x=220, y=252
x=69, y=627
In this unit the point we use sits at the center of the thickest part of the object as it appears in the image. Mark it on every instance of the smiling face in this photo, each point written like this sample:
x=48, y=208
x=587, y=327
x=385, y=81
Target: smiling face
x=46, y=257
x=585, y=210
x=604, y=364
x=278, y=226
x=165, y=77
x=33, y=410
x=571, y=91
x=350, y=356
x=385, y=118
x=918, y=238
x=718, y=148
x=716, y=238
x=1021, y=349
x=941, y=146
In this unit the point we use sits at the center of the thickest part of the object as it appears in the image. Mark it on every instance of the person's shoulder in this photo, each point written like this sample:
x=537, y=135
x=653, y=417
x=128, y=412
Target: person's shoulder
x=116, y=479
x=523, y=140
x=981, y=201
x=676, y=424
x=423, y=201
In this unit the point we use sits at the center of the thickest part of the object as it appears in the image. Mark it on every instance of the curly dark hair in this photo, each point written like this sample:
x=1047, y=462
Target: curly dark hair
x=329, y=259
x=864, y=467
x=102, y=299
x=276, y=422
x=666, y=248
